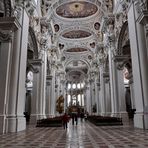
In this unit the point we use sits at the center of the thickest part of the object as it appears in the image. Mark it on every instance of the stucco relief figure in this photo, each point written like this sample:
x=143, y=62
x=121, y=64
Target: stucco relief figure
x=43, y=40
x=100, y=36
x=109, y=5
x=44, y=36
x=45, y=6
x=118, y=24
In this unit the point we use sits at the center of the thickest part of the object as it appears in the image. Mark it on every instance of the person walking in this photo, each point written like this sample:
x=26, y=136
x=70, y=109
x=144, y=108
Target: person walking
x=76, y=118
x=73, y=118
x=65, y=120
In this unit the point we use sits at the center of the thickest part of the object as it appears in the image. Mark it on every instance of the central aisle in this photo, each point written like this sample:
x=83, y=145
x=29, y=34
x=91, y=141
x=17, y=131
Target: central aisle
x=83, y=135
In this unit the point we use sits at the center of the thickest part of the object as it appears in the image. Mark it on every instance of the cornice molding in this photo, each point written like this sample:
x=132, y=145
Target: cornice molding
x=8, y=26
x=9, y=23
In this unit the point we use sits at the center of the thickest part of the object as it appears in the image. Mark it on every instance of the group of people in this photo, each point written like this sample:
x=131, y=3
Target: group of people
x=66, y=119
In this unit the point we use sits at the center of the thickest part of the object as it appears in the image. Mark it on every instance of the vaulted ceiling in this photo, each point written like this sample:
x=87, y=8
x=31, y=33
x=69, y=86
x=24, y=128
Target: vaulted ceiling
x=77, y=30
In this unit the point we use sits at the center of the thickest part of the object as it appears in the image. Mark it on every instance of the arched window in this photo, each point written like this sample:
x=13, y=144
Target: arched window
x=74, y=86
x=78, y=85
x=69, y=86
x=69, y=99
x=79, y=99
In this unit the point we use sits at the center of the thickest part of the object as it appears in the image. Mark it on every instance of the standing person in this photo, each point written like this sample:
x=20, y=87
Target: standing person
x=76, y=119
x=65, y=120
x=73, y=118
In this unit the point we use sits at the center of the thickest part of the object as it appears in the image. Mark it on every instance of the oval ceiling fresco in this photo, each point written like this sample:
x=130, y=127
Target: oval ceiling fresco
x=76, y=9
x=76, y=50
x=75, y=34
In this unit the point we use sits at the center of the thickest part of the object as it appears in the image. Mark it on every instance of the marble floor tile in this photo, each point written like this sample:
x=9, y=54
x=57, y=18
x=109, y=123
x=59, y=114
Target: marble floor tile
x=83, y=135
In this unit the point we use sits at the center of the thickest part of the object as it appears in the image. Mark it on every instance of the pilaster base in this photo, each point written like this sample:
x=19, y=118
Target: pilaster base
x=33, y=119
x=11, y=124
x=125, y=118
x=2, y=124
x=15, y=124
x=41, y=116
x=108, y=114
x=103, y=114
x=141, y=120
x=116, y=115
x=21, y=123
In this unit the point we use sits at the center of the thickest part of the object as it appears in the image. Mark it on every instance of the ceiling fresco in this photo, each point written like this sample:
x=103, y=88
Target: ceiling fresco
x=78, y=9
x=75, y=34
x=76, y=50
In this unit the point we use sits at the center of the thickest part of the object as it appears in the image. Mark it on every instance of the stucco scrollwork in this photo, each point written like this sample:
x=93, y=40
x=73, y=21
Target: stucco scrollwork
x=45, y=7
x=119, y=21
x=102, y=56
x=141, y=5
x=8, y=9
x=144, y=5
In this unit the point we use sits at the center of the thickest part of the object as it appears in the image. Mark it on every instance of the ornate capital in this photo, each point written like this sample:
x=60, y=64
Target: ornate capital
x=7, y=27
x=35, y=65
x=120, y=65
x=5, y=36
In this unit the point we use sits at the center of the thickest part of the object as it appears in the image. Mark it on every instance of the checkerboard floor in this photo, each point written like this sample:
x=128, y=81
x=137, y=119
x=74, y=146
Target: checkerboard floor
x=83, y=135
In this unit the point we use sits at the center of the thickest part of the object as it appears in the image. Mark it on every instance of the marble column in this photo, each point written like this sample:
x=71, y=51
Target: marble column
x=97, y=97
x=48, y=96
x=65, y=98
x=91, y=97
x=53, y=99
x=8, y=27
x=35, y=92
x=131, y=85
x=107, y=95
x=88, y=99
x=121, y=92
x=102, y=91
x=15, y=120
x=42, y=83
x=113, y=86
x=139, y=64
x=84, y=94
